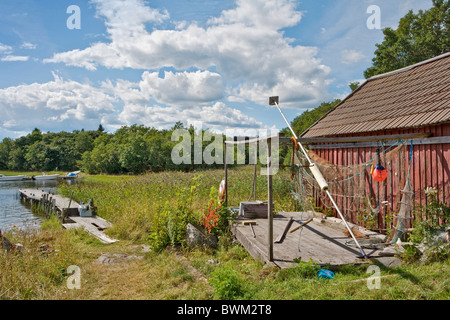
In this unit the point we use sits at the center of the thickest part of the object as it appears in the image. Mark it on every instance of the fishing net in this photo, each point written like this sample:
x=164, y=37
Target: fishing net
x=357, y=194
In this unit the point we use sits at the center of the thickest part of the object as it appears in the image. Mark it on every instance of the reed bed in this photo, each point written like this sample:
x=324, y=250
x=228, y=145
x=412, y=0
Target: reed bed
x=134, y=204
x=131, y=202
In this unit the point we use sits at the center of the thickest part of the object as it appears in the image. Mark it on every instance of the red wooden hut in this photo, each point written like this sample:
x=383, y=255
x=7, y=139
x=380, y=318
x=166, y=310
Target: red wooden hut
x=408, y=108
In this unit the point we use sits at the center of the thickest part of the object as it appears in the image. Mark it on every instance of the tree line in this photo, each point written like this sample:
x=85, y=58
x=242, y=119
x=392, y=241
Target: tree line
x=138, y=149
x=131, y=149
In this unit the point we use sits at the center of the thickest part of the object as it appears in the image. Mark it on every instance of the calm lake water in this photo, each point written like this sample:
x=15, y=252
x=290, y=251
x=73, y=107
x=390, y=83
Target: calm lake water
x=12, y=211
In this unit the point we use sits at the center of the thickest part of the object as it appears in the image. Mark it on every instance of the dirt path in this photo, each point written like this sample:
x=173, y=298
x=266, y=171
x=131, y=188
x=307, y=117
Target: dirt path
x=135, y=276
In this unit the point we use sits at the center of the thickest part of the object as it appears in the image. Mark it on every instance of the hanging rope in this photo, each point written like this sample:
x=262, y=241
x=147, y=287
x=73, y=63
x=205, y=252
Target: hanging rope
x=347, y=182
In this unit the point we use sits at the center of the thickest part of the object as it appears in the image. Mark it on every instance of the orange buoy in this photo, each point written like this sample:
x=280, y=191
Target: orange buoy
x=379, y=173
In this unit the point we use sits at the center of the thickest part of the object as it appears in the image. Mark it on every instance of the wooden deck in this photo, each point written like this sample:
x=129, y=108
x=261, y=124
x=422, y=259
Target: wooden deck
x=68, y=213
x=56, y=201
x=93, y=225
x=322, y=240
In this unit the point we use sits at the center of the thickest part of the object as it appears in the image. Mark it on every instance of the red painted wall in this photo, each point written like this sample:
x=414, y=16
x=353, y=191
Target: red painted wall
x=430, y=168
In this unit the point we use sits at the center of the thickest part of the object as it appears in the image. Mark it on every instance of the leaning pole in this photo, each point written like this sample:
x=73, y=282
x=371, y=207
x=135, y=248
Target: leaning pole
x=317, y=174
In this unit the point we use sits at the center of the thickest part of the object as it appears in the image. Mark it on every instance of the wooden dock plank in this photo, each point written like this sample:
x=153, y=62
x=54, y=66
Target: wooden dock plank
x=60, y=202
x=323, y=243
x=94, y=225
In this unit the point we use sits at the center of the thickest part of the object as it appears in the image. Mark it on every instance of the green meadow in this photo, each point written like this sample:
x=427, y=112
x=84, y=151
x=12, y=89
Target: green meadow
x=151, y=261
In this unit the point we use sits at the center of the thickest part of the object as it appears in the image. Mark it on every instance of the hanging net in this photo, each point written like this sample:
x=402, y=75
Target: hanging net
x=359, y=196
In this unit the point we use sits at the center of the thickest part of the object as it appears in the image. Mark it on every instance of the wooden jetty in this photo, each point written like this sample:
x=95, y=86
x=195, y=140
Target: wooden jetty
x=70, y=213
x=324, y=241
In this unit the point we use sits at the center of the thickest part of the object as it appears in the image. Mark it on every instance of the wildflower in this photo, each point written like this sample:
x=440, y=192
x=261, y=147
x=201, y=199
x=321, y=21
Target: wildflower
x=431, y=191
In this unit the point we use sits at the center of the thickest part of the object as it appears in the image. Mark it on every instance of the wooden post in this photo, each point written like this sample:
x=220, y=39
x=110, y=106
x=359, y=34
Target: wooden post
x=254, y=172
x=226, y=177
x=270, y=200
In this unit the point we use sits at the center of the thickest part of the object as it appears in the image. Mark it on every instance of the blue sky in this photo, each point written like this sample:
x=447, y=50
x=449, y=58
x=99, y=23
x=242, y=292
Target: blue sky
x=210, y=63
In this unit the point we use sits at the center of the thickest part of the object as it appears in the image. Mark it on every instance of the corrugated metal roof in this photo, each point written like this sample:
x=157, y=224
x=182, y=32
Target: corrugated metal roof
x=414, y=96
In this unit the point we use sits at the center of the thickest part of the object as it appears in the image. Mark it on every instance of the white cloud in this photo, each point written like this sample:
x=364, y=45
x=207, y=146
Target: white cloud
x=218, y=117
x=5, y=49
x=54, y=105
x=183, y=89
x=11, y=58
x=351, y=56
x=272, y=15
x=245, y=45
x=68, y=105
x=28, y=46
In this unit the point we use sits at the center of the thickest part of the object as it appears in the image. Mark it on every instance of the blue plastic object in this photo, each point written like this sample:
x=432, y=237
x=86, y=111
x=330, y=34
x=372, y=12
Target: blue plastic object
x=326, y=274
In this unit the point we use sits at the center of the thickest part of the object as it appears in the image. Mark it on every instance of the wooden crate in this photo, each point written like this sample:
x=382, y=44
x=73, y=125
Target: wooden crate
x=253, y=209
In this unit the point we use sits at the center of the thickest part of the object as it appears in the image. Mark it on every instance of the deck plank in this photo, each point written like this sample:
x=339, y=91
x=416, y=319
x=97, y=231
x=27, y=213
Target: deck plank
x=94, y=225
x=323, y=243
x=91, y=225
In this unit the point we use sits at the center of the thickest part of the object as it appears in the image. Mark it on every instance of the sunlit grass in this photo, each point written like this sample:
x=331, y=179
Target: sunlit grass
x=130, y=203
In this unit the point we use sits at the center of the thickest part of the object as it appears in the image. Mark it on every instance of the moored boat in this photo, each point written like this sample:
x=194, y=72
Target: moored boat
x=12, y=178
x=72, y=174
x=46, y=177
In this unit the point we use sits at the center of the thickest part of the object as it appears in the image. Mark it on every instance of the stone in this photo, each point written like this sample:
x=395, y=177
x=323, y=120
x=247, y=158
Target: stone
x=198, y=236
x=116, y=257
x=389, y=262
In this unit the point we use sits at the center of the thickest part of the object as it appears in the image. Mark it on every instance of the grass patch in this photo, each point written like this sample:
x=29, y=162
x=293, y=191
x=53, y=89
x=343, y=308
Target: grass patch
x=131, y=203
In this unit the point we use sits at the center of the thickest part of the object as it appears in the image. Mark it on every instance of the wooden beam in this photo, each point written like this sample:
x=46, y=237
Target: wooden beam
x=270, y=200
x=363, y=138
x=249, y=140
x=424, y=141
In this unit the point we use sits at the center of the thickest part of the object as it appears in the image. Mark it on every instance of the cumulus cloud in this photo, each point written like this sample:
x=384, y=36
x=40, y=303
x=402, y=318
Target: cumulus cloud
x=351, y=56
x=246, y=45
x=54, y=105
x=68, y=105
x=218, y=117
x=265, y=14
x=11, y=58
x=183, y=89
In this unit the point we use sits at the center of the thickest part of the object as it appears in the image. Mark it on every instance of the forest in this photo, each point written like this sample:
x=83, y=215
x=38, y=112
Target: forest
x=131, y=149
x=138, y=149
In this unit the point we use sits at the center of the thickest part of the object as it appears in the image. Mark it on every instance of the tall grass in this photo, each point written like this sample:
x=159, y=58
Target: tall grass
x=130, y=203
x=39, y=270
x=134, y=205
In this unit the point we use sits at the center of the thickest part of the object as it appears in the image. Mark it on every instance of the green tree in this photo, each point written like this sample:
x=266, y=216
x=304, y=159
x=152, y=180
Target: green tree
x=134, y=155
x=354, y=85
x=104, y=157
x=100, y=128
x=5, y=150
x=302, y=122
x=418, y=37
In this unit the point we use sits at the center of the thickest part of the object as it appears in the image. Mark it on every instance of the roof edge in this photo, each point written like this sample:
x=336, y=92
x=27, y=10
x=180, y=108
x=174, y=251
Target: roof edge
x=387, y=74
x=379, y=76
x=332, y=109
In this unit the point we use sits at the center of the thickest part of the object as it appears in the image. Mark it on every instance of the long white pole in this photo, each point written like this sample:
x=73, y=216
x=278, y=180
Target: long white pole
x=321, y=180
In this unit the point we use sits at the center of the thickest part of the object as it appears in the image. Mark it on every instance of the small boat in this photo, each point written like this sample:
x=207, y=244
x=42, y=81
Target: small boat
x=12, y=178
x=71, y=175
x=46, y=177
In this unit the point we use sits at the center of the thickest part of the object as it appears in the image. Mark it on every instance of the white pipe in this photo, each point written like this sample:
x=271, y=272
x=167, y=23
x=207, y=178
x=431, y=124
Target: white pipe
x=295, y=136
x=321, y=181
x=345, y=222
